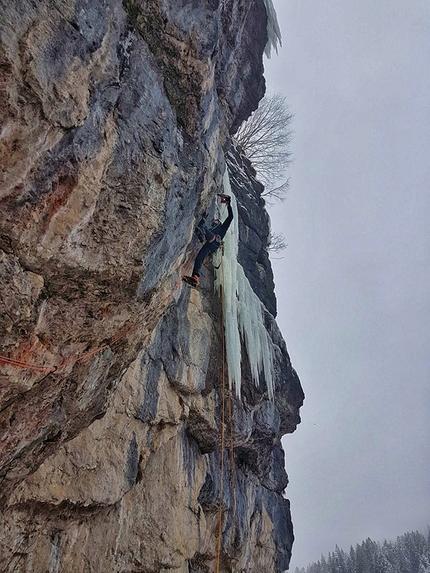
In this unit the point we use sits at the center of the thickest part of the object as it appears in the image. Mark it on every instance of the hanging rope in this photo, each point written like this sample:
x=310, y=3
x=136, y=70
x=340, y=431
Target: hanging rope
x=232, y=463
x=221, y=469
x=233, y=471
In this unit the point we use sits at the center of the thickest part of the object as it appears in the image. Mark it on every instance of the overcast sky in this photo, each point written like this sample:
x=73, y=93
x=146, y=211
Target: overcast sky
x=353, y=286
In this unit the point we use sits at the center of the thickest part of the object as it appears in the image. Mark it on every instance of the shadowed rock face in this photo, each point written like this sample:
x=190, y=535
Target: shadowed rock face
x=115, y=118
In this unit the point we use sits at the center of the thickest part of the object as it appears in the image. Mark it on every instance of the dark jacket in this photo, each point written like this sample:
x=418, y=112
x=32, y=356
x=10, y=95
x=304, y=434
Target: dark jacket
x=222, y=228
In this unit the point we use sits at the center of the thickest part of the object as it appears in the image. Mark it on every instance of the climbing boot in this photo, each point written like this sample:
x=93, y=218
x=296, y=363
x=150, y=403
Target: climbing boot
x=192, y=281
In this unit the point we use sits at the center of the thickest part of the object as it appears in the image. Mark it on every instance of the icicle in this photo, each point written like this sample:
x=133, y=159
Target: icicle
x=258, y=344
x=243, y=310
x=226, y=277
x=273, y=29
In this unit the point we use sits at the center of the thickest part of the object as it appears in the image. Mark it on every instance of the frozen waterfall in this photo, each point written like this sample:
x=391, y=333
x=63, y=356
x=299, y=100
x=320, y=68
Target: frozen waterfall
x=243, y=310
x=273, y=29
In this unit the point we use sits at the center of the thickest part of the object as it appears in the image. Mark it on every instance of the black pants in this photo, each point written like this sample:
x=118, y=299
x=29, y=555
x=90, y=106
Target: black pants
x=208, y=247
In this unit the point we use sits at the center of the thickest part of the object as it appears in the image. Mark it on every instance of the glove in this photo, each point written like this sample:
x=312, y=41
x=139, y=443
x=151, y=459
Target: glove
x=225, y=199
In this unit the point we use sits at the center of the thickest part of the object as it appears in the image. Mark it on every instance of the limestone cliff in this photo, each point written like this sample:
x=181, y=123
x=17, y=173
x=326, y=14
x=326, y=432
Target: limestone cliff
x=115, y=123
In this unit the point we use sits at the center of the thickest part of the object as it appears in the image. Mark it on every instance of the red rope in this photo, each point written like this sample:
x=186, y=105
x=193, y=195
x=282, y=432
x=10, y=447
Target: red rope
x=19, y=364
x=221, y=469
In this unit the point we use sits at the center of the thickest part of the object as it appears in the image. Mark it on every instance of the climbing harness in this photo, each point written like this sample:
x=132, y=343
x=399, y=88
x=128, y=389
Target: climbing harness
x=221, y=249
x=209, y=260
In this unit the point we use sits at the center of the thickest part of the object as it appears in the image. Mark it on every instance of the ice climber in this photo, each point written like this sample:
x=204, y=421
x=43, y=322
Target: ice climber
x=211, y=239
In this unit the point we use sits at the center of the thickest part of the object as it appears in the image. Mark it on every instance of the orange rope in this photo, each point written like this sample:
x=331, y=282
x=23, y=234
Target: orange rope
x=233, y=472
x=222, y=441
x=19, y=364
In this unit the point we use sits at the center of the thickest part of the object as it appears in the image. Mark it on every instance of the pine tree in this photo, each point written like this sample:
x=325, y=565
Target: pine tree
x=410, y=553
x=340, y=560
x=352, y=561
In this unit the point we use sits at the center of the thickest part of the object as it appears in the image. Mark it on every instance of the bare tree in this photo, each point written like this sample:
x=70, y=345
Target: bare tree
x=276, y=243
x=265, y=139
x=277, y=193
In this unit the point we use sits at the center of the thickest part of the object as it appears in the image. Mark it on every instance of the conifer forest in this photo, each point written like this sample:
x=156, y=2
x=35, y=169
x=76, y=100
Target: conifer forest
x=410, y=553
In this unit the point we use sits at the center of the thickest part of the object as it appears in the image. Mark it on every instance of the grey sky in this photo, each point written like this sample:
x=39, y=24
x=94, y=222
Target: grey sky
x=353, y=287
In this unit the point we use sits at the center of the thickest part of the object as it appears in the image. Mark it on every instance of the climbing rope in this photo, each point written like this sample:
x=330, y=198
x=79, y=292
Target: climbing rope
x=232, y=463
x=233, y=471
x=221, y=470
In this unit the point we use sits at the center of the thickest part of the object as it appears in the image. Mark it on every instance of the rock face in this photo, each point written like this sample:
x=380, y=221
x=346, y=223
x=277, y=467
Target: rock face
x=114, y=138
